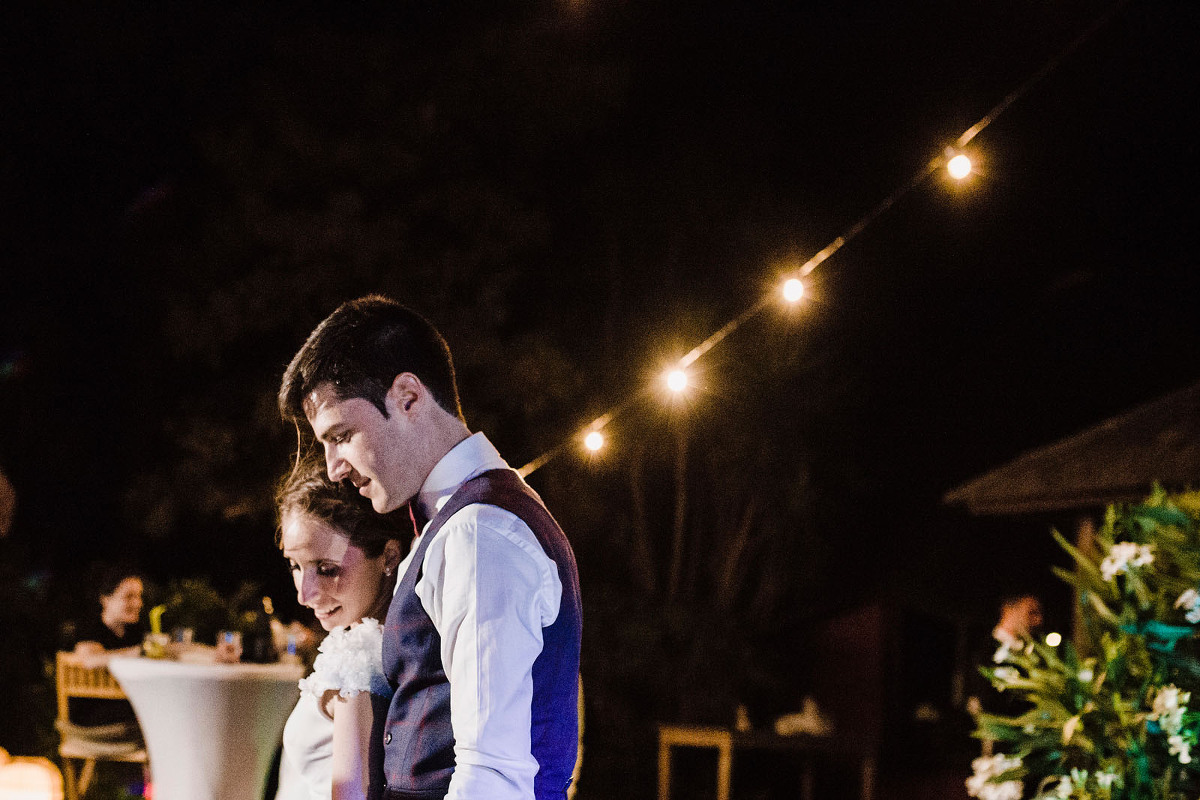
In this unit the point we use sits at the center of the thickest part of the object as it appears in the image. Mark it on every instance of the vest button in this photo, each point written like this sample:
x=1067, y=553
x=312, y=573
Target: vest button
x=387, y=738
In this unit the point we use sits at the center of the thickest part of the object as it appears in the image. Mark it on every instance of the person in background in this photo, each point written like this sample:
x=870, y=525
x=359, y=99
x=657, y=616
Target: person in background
x=343, y=558
x=1020, y=622
x=119, y=625
x=117, y=630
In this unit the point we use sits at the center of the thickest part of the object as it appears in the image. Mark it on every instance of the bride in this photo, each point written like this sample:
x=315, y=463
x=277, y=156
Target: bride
x=343, y=558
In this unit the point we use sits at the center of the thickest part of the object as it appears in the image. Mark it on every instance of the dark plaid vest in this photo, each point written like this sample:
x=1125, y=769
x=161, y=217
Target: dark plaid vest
x=415, y=743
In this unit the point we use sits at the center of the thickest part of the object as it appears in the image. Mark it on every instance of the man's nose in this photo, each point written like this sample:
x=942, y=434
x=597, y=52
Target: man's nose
x=337, y=467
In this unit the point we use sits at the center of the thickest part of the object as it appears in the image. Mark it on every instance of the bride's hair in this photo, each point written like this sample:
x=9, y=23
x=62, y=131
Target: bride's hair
x=308, y=490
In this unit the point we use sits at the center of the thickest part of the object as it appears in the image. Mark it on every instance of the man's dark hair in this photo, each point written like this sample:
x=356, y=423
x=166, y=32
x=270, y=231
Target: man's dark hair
x=359, y=350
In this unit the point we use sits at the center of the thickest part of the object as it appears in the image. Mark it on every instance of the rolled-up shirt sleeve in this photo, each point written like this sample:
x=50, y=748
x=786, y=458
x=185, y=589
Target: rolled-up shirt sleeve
x=489, y=589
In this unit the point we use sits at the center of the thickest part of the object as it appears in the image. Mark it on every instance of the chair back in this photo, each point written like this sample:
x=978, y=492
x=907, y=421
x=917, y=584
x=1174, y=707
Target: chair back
x=81, y=747
x=72, y=678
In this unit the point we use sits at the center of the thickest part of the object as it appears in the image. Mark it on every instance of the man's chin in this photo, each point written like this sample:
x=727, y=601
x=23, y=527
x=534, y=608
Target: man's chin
x=384, y=505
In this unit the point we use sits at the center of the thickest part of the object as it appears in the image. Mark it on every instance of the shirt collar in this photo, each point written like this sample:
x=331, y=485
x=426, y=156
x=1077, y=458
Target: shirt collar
x=468, y=458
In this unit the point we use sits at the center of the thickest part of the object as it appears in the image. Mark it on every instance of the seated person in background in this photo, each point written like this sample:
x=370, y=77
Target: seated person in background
x=117, y=629
x=119, y=626
x=343, y=558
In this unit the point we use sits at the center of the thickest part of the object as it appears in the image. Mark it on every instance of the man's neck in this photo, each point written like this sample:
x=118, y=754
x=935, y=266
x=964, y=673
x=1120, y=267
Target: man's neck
x=448, y=434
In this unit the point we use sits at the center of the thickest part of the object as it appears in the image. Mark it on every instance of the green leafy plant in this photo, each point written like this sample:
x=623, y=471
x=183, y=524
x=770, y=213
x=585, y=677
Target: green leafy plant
x=194, y=603
x=1109, y=719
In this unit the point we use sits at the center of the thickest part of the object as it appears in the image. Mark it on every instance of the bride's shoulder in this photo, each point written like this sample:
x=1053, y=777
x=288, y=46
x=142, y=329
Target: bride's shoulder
x=367, y=633
x=349, y=660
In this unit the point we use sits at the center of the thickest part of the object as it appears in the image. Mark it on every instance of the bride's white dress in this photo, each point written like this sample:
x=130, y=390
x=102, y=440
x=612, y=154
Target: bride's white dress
x=351, y=661
x=305, y=770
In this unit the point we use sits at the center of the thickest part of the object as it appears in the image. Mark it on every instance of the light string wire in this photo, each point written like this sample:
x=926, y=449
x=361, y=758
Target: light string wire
x=934, y=164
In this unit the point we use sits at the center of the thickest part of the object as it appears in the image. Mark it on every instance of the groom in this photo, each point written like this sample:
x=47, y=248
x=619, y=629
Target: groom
x=481, y=641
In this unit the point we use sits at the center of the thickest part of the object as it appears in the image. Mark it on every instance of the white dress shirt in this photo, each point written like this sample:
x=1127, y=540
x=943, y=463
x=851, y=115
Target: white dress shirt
x=489, y=589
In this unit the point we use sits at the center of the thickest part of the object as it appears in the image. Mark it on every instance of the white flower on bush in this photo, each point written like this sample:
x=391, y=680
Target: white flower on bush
x=1124, y=555
x=1190, y=600
x=1066, y=784
x=1172, y=721
x=987, y=767
x=1006, y=674
x=1009, y=790
x=1070, y=727
x=1176, y=746
x=1105, y=779
x=1063, y=790
x=1167, y=709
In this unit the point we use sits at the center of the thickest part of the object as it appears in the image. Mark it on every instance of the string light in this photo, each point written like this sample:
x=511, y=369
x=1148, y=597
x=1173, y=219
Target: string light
x=959, y=167
x=677, y=380
x=793, y=290
x=955, y=162
x=1053, y=639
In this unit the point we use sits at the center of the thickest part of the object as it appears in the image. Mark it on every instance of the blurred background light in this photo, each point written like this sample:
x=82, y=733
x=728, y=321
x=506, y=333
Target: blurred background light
x=959, y=167
x=793, y=290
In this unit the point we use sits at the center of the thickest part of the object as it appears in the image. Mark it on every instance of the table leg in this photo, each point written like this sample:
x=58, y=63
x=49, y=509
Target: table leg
x=724, y=769
x=86, y=774
x=806, y=777
x=868, y=778
x=664, y=771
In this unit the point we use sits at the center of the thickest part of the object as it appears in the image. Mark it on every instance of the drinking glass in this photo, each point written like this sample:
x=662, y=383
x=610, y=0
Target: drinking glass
x=154, y=645
x=229, y=646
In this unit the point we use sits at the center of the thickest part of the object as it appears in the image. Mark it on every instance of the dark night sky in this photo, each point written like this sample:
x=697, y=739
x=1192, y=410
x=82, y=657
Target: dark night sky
x=963, y=326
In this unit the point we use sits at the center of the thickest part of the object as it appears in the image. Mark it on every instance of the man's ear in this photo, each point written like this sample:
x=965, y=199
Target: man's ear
x=406, y=390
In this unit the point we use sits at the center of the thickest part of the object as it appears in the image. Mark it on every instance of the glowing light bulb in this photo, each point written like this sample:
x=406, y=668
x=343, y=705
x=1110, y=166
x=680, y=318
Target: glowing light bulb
x=1053, y=639
x=959, y=167
x=793, y=290
x=677, y=380
x=594, y=441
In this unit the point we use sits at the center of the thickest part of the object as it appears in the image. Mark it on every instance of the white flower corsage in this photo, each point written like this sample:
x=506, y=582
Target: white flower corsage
x=350, y=660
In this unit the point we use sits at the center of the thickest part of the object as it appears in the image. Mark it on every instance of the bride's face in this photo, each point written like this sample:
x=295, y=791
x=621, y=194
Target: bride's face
x=333, y=577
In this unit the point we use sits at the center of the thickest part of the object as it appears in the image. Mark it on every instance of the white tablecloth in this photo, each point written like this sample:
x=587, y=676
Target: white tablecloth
x=211, y=729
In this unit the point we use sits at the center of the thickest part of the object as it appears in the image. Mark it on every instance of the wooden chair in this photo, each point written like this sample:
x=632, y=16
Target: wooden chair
x=73, y=677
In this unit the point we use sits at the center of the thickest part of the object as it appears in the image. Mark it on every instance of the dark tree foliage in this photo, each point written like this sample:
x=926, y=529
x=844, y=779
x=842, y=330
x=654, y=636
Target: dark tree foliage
x=353, y=161
x=577, y=193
